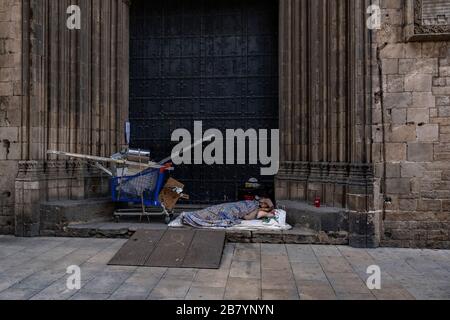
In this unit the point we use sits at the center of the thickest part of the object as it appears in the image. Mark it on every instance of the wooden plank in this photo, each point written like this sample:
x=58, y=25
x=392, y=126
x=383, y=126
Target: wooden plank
x=171, y=249
x=136, y=251
x=206, y=250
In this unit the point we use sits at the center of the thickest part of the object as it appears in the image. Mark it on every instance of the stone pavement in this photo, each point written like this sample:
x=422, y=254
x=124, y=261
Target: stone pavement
x=35, y=268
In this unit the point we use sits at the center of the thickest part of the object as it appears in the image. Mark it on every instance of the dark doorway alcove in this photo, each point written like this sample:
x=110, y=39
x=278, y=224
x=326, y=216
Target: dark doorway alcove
x=209, y=61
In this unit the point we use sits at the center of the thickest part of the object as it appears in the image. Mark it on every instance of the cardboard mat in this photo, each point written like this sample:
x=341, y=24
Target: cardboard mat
x=172, y=248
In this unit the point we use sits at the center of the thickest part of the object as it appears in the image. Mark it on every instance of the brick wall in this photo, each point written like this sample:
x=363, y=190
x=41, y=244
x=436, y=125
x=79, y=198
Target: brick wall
x=414, y=105
x=10, y=102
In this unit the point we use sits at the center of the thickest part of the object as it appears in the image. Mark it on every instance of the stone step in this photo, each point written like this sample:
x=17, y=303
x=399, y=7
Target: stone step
x=126, y=230
x=56, y=215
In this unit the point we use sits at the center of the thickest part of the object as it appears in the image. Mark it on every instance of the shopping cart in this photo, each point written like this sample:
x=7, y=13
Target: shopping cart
x=141, y=189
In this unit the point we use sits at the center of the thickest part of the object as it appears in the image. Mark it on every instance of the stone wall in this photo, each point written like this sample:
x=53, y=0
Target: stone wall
x=411, y=135
x=10, y=103
x=325, y=110
x=76, y=100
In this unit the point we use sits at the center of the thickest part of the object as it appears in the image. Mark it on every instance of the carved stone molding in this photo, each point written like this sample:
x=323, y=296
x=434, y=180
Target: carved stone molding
x=358, y=175
x=427, y=20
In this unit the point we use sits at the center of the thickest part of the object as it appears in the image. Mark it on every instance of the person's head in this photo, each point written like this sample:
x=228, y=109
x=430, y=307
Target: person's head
x=266, y=203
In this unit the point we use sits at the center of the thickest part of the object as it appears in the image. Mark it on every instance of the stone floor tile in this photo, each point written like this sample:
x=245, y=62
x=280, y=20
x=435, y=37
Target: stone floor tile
x=315, y=290
x=245, y=269
x=326, y=251
x=106, y=283
x=170, y=289
x=273, y=279
x=308, y=271
x=187, y=274
x=273, y=249
x=39, y=280
x=355, y=296
x=205, y=293
x=274, y=262
x=56, y=291
x=211, y=278
x=243, y=289
x=280, y=294
x=335, y=264
x=247, y=252
x=89, y=296
x=392, y=294
x=17, y=294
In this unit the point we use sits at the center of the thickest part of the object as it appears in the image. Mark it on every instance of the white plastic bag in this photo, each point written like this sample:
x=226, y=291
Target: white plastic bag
x=281, y=216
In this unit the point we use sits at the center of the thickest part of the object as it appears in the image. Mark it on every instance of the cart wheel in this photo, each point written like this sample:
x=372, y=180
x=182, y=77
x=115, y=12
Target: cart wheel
x=168, y=219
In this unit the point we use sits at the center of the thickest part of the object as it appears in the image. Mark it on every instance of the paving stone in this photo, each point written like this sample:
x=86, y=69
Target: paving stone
x=56, y=291
x=256, y=271
x=335, y=264
x=17, y=294
x=247, y=252
x=187, y=274
x=130, y=292
x=106, y=282
x=273, y=250
x=170, y=289
x=315, y=290
x=278, y=263
x=300, y=253
x=326, y=251
x=355, y=296
x=304, y=271
x=55, y=254
x=89, y=296
x=243, y=289
x=280, y=294
x=245, y=269
x=205, y=293
x=39, y=280
x=392, y=294
x=274, y=279
x=211, y=278
x=343, y=283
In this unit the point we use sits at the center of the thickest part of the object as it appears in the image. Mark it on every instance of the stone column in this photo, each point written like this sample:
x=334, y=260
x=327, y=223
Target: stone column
x=325, y=109
x=75, y=97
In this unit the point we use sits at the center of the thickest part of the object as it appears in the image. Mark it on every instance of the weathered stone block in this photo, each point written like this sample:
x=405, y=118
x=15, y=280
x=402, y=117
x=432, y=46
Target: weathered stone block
x=418, y=83
x=390, y=66
x=418, y=115
x=430, y=205
x=395, y=151
x=398, y=115
x=393, y=170
x=395, y=83
x=420, y=152
x=428, y=133
x=405, y=133
x=398, y=186
x=393, y=51
x=421, y=66
x=444, y=111
x=423, y=100
x=412, y=170
x=407, y=204
x=398, y=100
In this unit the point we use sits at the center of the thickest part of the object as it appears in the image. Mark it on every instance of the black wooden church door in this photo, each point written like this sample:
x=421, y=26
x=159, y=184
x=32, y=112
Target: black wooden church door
x=214, y=61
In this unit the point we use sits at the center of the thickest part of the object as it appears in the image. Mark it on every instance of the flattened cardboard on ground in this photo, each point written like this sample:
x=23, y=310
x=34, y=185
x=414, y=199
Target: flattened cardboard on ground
x=169, y=197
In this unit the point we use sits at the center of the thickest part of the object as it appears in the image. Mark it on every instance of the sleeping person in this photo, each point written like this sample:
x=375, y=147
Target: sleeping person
x=229, y=214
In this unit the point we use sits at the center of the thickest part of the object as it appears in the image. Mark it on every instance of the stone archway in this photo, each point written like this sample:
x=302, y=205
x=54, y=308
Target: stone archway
x=75, y=98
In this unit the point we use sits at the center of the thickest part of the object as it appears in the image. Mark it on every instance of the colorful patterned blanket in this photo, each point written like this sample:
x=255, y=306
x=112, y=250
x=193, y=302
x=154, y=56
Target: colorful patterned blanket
x=220, y=216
